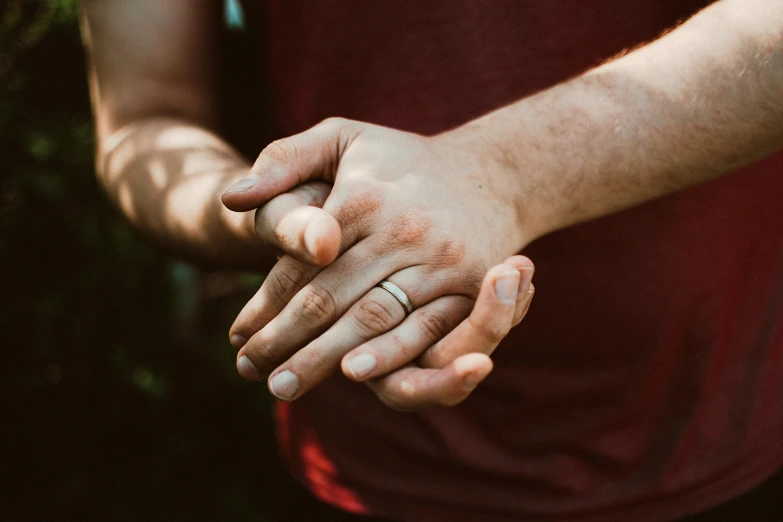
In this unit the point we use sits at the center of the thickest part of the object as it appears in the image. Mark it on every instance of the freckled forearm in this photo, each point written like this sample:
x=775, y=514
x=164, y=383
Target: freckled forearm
x=702, y=101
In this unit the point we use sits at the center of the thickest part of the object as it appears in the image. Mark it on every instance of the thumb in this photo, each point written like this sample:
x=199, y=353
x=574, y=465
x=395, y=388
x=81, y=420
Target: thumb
x=286, y=163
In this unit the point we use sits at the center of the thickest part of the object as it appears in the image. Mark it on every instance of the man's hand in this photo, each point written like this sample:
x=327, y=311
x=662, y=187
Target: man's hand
x=431, y=214
x=423, y=213
x=451, y=369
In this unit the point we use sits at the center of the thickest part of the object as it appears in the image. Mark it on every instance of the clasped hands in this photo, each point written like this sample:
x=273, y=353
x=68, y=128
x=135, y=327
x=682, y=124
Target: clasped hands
x=352, y=204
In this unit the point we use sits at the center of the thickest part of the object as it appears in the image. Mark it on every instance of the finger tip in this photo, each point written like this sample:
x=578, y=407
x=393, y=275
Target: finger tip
x=346, y=369
x=228, y=202
x=232, y=199
x=237, y=340
x=498, y=271
x=473, y=368
x=322, y=239
x=520, y=262
x=361, y=366
x=236, y=203
x=247, y=369
x=284, y=385
x=473, y=363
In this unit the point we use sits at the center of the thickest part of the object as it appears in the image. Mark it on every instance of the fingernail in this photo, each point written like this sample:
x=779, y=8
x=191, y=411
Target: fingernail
x=525, y=278
x=284, y=385
x=506, y=287
x=312, y=236
x=361, y=365
x=243, y=184
x=247, y=369
x=237, y=341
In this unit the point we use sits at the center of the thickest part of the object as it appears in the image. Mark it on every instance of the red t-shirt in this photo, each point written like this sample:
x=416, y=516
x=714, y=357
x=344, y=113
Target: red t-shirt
x=647, y=380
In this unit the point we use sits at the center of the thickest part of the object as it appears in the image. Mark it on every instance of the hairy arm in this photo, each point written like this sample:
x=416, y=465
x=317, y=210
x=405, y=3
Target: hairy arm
x=152, y=69
x=701, y=101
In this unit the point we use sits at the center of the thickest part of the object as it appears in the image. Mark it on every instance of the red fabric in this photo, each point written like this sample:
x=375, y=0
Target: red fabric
x=647, y=380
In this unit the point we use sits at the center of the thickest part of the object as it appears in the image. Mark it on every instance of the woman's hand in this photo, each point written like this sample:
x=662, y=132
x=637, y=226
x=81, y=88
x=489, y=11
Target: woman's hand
x=428, y=214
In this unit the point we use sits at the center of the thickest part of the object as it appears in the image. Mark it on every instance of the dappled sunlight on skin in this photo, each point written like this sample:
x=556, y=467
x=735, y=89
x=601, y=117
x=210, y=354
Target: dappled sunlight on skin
x=124, y=145
x=195, y=160
x=168, y=177
x=183, y=217
x=125, y=196
x=184, y=137
x=158, y=173
x=118, y=154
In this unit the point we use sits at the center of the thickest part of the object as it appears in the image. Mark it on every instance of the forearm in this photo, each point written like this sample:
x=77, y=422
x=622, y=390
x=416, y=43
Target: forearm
x=702, y=101
x=167, y=176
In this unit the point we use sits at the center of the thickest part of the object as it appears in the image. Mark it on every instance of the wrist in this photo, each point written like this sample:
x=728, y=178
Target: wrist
x=507, y=165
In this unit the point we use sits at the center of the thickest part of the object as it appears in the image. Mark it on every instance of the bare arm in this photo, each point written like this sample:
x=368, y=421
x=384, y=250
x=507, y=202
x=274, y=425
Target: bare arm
x=152, y=69
x=701, y=101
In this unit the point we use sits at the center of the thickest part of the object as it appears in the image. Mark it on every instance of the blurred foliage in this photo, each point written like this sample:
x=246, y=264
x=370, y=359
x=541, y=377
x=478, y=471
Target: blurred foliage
x=121, y=398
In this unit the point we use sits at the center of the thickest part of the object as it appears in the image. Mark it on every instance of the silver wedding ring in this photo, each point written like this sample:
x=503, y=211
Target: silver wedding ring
x=398, y=294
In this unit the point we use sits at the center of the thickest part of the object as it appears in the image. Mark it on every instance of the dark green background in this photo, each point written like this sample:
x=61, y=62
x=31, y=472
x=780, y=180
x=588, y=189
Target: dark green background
x=121, y=401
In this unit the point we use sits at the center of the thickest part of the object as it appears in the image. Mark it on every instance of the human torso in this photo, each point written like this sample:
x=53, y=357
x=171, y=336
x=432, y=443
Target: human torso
x=648, y=376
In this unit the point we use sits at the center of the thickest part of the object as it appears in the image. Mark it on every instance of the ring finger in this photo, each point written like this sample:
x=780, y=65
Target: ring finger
x=421, y=332
x=374, y=314
x=316, y=307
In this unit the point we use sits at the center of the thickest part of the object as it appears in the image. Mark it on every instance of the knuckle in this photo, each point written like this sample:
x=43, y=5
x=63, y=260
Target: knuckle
x=318, y=304
x=469, y=280
x=434, y=357
x=280, y=150
x=263, y=355
x=283, y=284
x=396, y=344
x=451, y=252
x=315, y=361
x=431, y=324
x=332, y=122
x=410, y=228
x=359, y=207
x=489, y=330
x=374, y=318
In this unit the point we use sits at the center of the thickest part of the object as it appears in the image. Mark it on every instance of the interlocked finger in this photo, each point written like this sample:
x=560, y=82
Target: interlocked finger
x=374, y=314
x=422, y=329
x=491, y=319
x=295, y=223
x=316, y=307
x=282, y=283
x=458, y=361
